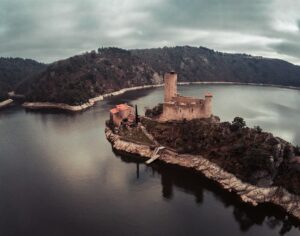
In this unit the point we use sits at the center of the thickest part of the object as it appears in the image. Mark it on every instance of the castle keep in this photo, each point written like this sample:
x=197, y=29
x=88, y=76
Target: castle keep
x=177, y=107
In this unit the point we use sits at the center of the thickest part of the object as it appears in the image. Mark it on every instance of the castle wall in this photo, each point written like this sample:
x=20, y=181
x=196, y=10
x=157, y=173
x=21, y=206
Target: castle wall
x=180, y=111
x=178, y=107
x=183, y=99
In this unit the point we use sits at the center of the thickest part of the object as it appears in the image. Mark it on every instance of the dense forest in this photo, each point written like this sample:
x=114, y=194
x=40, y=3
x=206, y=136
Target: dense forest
x=81, y=77
x=202, y=64
x=252, y=155
x=15, y=70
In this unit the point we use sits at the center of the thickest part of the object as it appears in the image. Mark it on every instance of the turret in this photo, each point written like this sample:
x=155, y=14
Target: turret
x=208, y=104
x=170, y=86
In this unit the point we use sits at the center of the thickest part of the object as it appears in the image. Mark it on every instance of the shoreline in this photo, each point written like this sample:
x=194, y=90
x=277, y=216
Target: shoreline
x=84, y=106
x=6, y=103
x=91, y=102
x=248, y=193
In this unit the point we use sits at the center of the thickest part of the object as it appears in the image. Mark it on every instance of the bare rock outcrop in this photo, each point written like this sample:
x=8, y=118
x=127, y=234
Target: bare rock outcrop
x=6, y=103
x=247, y=192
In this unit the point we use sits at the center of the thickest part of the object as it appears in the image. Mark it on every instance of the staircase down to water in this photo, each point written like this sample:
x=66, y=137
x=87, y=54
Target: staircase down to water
x=155, y=155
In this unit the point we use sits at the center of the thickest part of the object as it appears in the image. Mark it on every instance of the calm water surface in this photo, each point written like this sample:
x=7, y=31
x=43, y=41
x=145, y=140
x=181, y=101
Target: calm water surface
x=59, y=175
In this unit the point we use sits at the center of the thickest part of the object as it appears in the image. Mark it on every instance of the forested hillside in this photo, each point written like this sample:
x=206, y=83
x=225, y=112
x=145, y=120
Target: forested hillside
x=14, y=70
x=81, y=77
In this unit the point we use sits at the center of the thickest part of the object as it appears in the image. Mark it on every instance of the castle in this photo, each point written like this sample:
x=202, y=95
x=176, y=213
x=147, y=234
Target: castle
x=177, y=107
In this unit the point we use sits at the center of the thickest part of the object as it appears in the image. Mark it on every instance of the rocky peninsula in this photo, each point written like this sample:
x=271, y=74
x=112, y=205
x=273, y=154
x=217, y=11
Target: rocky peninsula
x=257, y=166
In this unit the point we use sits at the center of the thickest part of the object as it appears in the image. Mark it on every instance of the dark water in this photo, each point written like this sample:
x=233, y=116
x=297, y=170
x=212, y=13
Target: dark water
x=59, y=175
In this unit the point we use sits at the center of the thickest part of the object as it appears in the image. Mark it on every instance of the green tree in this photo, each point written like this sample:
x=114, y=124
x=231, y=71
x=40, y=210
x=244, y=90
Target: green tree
x=239, y=122
x=258, y=129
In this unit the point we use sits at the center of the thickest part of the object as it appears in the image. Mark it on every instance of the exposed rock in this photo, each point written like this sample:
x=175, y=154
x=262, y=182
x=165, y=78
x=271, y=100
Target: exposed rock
x=129, y=147
x=6, y=103
x=253, y=156
x=249, y=193
x=84, y=106
x=60, y=106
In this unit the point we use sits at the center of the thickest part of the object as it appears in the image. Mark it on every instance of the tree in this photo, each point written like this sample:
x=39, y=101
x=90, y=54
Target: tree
x=258, y=129
x=238, y=123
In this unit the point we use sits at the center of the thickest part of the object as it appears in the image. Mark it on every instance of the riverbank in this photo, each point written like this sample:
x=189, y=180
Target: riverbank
x=84, y=106
x=92, y=101
x=60, y=106
x=6, y=103
x=248, y=193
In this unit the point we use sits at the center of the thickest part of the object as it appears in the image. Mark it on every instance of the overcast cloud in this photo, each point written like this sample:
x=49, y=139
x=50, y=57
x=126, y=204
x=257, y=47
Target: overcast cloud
x=48, y=30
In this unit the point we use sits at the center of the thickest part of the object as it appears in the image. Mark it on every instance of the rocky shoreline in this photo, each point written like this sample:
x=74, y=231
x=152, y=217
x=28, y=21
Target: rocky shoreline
x=84, y=106
x=6, y=103
x=60, y=106
x=248, y=193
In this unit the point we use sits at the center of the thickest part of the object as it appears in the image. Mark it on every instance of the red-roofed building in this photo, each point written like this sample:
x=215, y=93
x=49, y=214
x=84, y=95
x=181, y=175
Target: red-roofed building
x=122, y=113
x=114, y=111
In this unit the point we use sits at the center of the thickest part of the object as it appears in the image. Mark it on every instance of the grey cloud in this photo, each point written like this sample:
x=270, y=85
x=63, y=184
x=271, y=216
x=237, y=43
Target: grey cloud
x=51, y=30
x=225, y=15
x=288, y=48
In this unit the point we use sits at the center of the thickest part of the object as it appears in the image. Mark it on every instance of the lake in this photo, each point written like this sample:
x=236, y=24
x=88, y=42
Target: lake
x=60, y=176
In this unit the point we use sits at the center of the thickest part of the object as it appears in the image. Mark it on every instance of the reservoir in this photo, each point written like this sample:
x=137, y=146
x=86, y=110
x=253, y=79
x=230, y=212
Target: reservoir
x=60, y=176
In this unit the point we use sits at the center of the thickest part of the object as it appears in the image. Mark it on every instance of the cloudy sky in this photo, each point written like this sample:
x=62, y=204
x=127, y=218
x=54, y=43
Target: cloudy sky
x=48, y=30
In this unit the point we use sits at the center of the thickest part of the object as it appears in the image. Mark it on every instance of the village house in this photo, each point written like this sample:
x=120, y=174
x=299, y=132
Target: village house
x=122, y=113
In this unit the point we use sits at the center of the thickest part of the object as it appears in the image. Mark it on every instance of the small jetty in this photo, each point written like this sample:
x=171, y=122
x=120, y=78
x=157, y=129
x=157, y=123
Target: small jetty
x=155, y=155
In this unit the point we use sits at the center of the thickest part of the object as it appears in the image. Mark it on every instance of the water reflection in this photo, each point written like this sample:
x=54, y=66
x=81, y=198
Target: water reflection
x=59, y=176
x=194, y=183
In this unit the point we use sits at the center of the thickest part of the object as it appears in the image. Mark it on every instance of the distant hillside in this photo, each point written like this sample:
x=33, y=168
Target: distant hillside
x=81, y=77
x=14, y=70
x=202, y=64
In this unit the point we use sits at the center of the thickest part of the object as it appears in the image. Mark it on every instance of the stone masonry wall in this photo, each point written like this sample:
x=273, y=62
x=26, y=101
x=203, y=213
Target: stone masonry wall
x=177, y=111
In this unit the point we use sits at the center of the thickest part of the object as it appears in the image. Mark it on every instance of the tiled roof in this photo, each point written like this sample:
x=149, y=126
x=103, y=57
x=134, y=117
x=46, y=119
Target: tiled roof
x=119, y=107
x=122, y=107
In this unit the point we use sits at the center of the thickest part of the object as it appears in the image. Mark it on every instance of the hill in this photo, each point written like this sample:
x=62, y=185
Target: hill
x=14, y=70
x=75, y=80
x=202, y=64
x=81, y=77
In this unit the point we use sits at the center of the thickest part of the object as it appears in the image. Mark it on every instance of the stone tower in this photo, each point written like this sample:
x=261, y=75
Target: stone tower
x=208, y=104
x=170, y=86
